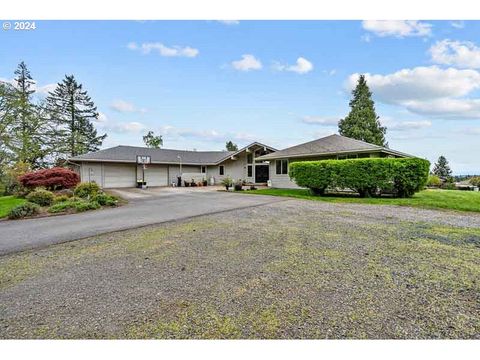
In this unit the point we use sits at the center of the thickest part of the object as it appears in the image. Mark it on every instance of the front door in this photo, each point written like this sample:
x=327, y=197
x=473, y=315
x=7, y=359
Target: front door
x=261, y=173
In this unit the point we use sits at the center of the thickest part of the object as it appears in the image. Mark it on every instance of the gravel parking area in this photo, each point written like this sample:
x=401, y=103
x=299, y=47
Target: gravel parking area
x=293, y=269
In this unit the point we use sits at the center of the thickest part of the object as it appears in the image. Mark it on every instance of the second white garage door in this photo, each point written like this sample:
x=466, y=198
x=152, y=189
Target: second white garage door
x=119, y=175
x=156, y=175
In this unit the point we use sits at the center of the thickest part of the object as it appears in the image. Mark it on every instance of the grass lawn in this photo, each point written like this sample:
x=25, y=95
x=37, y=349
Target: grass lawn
x=7, y=203
x=431, y=199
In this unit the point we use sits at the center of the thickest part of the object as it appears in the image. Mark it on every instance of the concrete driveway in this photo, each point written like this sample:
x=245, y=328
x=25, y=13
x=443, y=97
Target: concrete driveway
x=27, y=234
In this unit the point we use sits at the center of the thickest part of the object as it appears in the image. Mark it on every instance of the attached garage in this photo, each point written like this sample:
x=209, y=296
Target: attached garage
x=155, y=175
x=119, y=175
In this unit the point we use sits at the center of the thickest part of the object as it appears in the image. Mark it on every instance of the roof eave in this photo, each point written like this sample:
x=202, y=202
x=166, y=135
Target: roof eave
x=379, y=149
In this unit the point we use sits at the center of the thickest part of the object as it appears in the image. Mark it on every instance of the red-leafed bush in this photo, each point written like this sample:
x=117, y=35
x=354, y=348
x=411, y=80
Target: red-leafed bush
x=52, y=179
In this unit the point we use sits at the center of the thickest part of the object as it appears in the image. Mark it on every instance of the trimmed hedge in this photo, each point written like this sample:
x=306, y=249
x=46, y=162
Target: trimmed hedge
x=52, y=179
x=371, y=176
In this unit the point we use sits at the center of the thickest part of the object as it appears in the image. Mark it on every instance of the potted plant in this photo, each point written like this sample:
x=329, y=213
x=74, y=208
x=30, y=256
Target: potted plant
x=227, y=182
x=205, y=182
x=238, y=185
x=186, y=183
x=193, y=183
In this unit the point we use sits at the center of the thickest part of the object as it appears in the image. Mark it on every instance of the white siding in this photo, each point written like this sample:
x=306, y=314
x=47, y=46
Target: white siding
x=92, y=172
x=174, y=171
x=119, y=175
x=282, y=181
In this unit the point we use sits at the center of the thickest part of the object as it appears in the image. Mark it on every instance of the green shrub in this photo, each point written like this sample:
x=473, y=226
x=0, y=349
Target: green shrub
x=368, y=176
x=86, y=190
x=23, y=210
x=60, y=207
x=82, y=205
x=105, y=199
x=434, y=181
x=41, y=197
x=60, y=198
x=475, y=181
x=227, y=182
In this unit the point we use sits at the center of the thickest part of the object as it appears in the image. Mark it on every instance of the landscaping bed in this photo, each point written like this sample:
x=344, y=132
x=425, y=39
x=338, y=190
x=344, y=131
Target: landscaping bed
x=41, y=202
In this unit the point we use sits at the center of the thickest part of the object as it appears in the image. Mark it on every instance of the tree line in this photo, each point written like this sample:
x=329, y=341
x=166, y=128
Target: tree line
x=43, y=132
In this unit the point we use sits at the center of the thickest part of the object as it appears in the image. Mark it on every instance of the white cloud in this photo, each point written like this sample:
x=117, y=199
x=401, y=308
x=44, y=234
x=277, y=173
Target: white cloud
x=229, y=22
x=366, y=38
x=39, y=89
x=330, y=72
x=320, y=120
x=302, y=66
x=397, y=28
x=464, y=54
x=430, y=91
x=394, y=125
x=247, y=63
x=206, y=134
x=125, y=106
x=458, y=24
x=420, y=83
x=132, y=127
x=178, y=51
x=447, y=108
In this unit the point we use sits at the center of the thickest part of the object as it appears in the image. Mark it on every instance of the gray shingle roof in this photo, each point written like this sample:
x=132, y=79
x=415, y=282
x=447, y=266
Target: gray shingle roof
x=128, y=154
x=331, y=144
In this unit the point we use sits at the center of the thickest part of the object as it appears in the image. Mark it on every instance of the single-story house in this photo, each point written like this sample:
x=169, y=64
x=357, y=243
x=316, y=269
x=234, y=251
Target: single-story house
x=256, y=163
x=121, y=166
x=326, y=148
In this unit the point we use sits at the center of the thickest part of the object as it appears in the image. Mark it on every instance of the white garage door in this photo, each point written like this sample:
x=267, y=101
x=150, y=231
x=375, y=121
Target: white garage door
x=119, y=175
x=156, y=175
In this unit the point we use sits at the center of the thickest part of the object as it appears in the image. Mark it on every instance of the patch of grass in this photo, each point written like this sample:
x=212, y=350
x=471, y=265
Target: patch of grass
x=7, y=203
x=287, y=273
x=429, y=199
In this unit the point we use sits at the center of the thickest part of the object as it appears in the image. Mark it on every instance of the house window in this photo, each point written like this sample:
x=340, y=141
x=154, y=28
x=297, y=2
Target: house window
x=204, y=169
x=249, y=158
x=249, y=170
x=282, y=167
x=221, y=170
x=344, y=157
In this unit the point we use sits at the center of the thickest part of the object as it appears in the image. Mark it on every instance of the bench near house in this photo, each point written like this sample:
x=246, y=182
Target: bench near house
x=256, y=163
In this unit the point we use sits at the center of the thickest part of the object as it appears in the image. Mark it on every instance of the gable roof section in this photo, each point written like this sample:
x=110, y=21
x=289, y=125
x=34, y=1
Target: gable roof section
x=329, y=145
x=128, y=154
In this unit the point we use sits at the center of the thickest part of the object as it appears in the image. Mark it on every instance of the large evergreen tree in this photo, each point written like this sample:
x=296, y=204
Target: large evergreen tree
x=441, y=168
x=28, y=128
x=72, y=111
x=230, y=146
x=362, y=123
x=7, y=97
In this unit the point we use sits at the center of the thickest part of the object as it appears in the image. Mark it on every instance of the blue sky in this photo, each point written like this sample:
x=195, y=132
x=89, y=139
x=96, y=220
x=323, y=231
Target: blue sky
x=200, y=83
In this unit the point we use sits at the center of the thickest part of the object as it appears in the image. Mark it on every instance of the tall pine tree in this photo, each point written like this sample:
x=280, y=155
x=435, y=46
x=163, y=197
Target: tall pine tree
x=441, y=168
x=72, y=111
x=7, y=96
x=28, y=126
x=362, y=123
x=230, y=146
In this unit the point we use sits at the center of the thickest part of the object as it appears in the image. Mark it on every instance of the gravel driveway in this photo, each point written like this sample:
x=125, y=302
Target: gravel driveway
x=155, y=208
x=295, y=269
